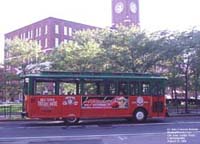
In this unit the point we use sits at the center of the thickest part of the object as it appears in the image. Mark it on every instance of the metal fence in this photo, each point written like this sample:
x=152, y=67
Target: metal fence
x=179, y=107
x=10, y=111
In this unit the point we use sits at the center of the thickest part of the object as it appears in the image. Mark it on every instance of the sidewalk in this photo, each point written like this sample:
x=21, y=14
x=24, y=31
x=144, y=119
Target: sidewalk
x=181, y=113
x=10, y=117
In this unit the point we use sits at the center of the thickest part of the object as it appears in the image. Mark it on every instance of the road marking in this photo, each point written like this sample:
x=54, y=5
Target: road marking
x=80, y=136
x=151, y=124
x=122, y=138
x=100, y=126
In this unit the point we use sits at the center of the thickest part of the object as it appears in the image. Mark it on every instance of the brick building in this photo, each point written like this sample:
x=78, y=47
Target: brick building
x=50, y=32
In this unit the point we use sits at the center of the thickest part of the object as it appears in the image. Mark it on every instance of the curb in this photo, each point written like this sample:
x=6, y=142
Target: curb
x=170, y=115
x=19, y=119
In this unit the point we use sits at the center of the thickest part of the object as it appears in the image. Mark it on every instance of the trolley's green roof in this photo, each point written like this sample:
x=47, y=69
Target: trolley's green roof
x=94, y=75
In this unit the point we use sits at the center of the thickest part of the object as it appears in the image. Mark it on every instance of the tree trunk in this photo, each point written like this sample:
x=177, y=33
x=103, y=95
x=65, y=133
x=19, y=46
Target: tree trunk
x=186, y=90
x=196, y=87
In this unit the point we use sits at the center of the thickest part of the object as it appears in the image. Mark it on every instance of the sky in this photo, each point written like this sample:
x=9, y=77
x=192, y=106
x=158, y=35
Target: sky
x=154, y=14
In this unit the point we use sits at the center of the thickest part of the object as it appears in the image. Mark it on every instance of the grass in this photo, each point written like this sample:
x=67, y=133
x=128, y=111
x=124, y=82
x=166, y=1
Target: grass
x=10, y=108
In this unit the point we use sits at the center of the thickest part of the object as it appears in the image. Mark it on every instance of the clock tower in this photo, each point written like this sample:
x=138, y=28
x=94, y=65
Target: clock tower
x=125, y=12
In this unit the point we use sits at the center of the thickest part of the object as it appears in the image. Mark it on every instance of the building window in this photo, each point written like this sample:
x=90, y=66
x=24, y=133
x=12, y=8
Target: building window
x=70, y=31
x=28, y=36
x=36, y=32
x=24, y=36
x=7, y=55
x=46, y=43
x=46, y=29
x=9, y=68
x=39, y=31
x=31, y=36
x=39, y=42
x=65, y=41
x=65, y=30
x=56, y=42
x=57, y=29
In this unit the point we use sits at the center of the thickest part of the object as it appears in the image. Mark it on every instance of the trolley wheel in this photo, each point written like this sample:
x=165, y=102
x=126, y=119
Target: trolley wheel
x=71, y=120
x=140, y=115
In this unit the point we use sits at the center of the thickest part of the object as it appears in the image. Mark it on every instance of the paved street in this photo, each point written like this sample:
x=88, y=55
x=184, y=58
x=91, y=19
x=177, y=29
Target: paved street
x=169, y=131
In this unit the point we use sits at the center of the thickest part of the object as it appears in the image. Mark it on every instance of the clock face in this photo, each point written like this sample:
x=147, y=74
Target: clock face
x=133, y=7
x=119, y=7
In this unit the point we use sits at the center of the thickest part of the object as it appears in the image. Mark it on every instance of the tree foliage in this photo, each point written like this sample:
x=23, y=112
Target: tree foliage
x=22, y=57
x=123, y=49
x=22, y=54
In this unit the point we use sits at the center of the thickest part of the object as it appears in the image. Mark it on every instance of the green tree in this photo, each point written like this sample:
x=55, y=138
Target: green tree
x=22, y=54
x=82, y=54
x=195, y=61
x=21, y=58
x=169, y=52
x=126, y=49
x=117, y=50
x=2, y=81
